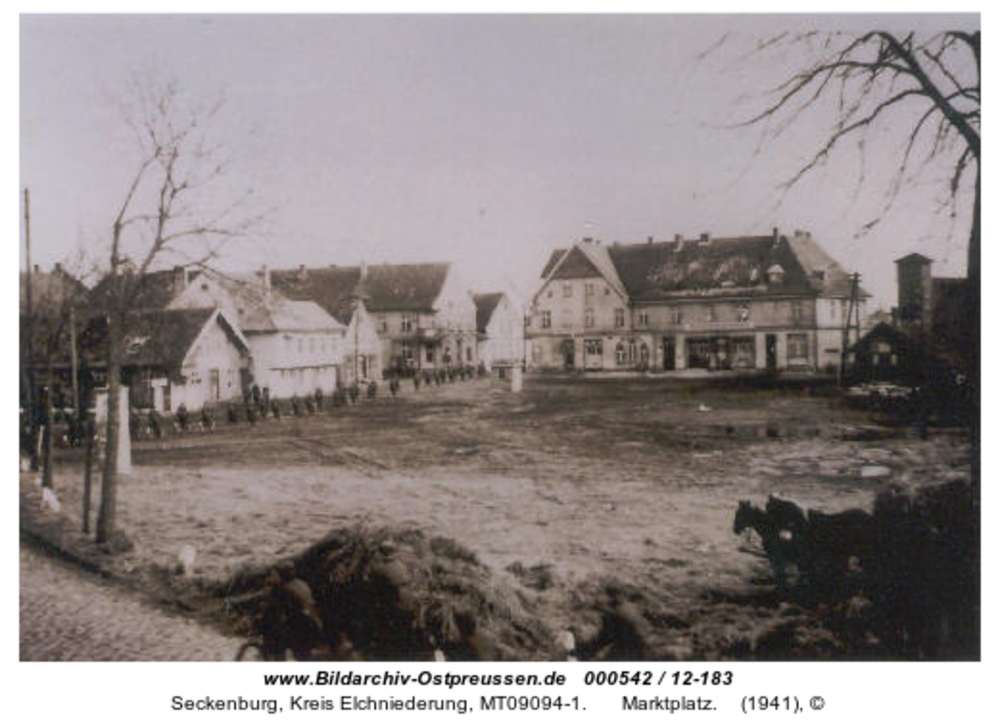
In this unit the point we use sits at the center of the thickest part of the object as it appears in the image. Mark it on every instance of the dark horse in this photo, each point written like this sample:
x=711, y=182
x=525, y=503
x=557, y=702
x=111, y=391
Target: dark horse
x=839, y=543
x=781, y=543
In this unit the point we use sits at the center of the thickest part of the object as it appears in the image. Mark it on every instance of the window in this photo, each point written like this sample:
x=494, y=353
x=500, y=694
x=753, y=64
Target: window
x=406, y=351
x=546, y=319
x=536, y=352
x=548, y=294
x=588, y=318
x=430, y=355
x=620, y=354
x=798, y=346
x=588, y=289
x=631, y=351
x=619, y=317
x=712, y=318
x=796, y=311
x=213, y=385
x=406, y=323
x=678, y=316
x=567, y=290
x=468, y=354
x=644, y=354
x=383, y=324
x=743, y=313
x=643, y=318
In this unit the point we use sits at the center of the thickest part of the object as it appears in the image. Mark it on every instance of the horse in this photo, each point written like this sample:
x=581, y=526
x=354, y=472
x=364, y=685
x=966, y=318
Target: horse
x=780, y=545
x=835, y=540
x=788, y=515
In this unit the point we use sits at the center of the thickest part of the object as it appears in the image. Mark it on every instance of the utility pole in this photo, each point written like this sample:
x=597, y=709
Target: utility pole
x=853, y=311
x=74, y=363
x=30, y=334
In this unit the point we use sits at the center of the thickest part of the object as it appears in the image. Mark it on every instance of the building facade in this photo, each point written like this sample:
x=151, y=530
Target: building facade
x=423, y=315
x=296, y=347
x=745, y=303
x=500, y=325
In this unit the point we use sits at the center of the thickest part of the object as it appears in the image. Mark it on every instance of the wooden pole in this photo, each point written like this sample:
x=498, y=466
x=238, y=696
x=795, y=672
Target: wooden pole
x=30, y=333
x=88, y=461
x=74, y=364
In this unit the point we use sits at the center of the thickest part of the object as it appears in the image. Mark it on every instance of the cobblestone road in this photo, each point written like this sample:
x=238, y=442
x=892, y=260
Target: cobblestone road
x=70, y=615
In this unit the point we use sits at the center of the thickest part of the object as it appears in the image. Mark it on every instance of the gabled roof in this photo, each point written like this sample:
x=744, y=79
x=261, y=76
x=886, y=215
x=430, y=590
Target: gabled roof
x=826, y=275
x=413, y=287
x=50, y=292
x=332, y=288
x=280, y=314
x=156, y=289
x=159, y=339
x=486, y=304
x=584, y=260
x=720, y=267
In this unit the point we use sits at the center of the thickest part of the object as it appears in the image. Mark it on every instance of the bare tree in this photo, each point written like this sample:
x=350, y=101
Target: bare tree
x=923, y=88
x=926, y=89
x=173, y=204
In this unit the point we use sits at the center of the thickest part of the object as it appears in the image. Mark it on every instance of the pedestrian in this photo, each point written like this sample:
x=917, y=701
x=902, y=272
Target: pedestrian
x=372, y=389
x=296, y=405
x=394, y=386
x=154, y=424
x=318, y=396
x=275, y=409
x=416, y=381
x=354, y=392
x=181, y=417
x=207, y=419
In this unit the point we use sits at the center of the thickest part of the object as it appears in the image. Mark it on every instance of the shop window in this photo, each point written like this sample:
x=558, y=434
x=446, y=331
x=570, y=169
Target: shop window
x=620, y=354
x=798, y=346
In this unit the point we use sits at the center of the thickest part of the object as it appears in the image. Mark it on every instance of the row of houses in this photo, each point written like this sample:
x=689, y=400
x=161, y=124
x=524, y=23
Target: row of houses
x=772, y=302
x=758, y=303
x=198, y=336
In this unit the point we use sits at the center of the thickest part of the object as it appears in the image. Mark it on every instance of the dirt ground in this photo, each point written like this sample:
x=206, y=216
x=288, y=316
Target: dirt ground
x=582, y=481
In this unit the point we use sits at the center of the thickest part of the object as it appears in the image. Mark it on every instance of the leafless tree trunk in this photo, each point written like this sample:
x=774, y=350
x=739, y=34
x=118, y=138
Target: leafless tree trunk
x=159, y=214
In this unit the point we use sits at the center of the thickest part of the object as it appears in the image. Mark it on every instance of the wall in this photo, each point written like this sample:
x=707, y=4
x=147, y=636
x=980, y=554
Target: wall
x=504, y=334
x=214, y=349
x=295, y=362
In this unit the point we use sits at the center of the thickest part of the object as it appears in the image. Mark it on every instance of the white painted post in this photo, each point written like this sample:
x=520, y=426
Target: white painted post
x=516, y=382
x=124, y=439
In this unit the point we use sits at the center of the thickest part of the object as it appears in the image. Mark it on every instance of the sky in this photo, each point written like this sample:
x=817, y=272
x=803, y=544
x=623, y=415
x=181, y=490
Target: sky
x=485, y=141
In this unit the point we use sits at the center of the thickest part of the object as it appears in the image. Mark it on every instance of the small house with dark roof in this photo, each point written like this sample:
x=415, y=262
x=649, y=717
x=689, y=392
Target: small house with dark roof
x=343, y=293
x=500, y=325
x=424, y=315
x=171, y=357
x=708, y=303
x=295, y=345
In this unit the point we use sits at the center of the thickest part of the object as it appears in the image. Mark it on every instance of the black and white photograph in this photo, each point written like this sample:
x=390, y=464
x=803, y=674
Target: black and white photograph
x=499, y=338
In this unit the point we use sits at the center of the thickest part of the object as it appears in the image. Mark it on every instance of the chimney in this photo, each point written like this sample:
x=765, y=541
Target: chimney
x=301, y=274
x=649, y=240
x=588, y=239
x=705, y=240
x=679, y=239
x=179, y=278
x=363, y=269
x=37, y=270
x=775, y=237
x=57, y=268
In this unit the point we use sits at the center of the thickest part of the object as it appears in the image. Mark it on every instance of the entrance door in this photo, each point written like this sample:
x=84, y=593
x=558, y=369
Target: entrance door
x=593, y=354
x=669, y=354
x=771, y=348
x=569, y=358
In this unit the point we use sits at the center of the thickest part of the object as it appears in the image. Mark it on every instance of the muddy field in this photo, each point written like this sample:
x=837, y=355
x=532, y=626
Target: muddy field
x=560, y=490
